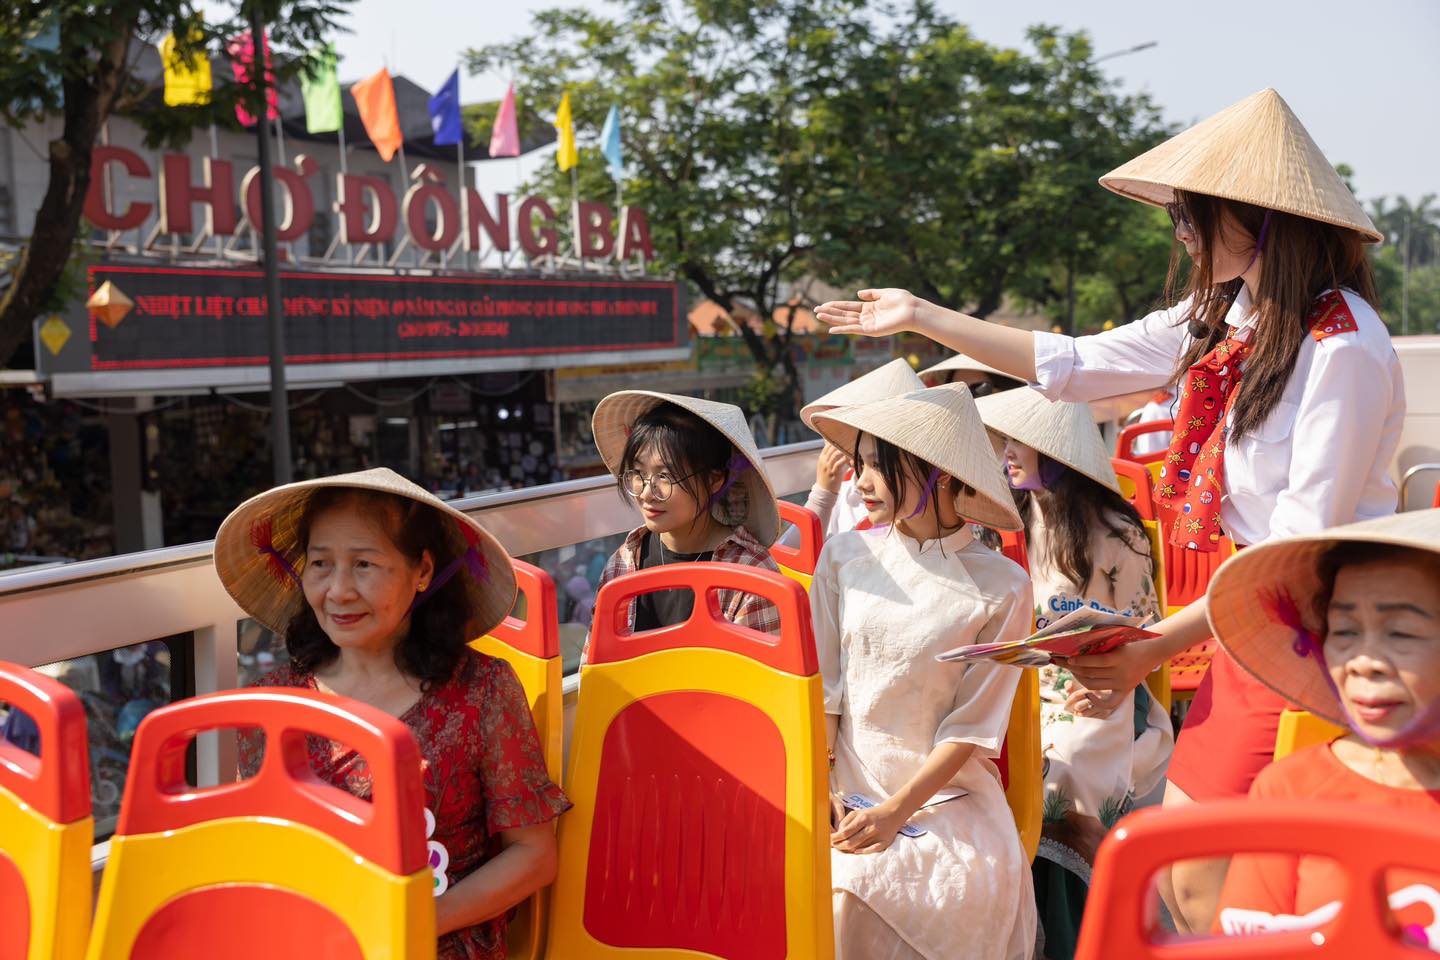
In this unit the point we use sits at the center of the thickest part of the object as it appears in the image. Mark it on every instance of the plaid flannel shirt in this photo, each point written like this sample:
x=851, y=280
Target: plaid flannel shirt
x=746, y=609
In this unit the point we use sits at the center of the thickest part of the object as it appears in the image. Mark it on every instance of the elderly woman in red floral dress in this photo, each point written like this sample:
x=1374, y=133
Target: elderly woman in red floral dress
x=377, y=587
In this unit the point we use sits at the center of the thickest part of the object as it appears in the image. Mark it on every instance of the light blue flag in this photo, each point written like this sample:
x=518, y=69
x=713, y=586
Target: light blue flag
x=610, y=144
x=445, y=113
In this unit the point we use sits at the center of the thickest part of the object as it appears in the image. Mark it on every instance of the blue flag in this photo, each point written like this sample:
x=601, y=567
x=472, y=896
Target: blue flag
x=445, y=113
x=610, y=144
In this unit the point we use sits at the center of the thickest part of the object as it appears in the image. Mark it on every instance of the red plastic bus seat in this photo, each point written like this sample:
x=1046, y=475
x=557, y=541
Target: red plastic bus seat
x=1120, y=912
x=697, y=770
x=45, y=824
x=1125, y=443
x=282, y=865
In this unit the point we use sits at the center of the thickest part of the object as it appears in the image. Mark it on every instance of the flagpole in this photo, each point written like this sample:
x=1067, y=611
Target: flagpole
x=274, y=308
x=464, y=199
x=575, y=216
x=280, y=141
x=344, y=171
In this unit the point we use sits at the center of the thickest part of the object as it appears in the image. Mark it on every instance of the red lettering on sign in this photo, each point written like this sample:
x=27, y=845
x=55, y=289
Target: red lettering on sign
x=447, y=226
x=594, y=225
x=177, y=194
x=543, y=242
x=497, y=228
x=299, y=207
x=635, y=231
x=368, y=212
x=96, y=210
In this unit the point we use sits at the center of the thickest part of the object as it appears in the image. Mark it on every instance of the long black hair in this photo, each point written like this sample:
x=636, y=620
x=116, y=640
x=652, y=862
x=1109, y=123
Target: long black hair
x=432, y=649
x=688, y=446
x=1072, y=507
x=896, y=467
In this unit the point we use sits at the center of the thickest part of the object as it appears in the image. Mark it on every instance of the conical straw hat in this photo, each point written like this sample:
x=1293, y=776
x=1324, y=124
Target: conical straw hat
x=1244, y=623
x=891, y=380
x=1255, y=151
x=248, y=573
x=1064, y=432
x=617, y=413
x=960, y=363
x=941, y=426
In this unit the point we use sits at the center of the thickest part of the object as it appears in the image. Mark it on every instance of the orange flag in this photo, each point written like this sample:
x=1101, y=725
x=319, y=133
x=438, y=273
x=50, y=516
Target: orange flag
x=375, y=98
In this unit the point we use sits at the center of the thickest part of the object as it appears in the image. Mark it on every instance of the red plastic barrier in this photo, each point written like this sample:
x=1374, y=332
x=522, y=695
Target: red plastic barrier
x=793, y=651
x=157, y=797
x=56, y=783
x=539, y=633
x=801, y=559
x=1120, y=908
x=1125, y=443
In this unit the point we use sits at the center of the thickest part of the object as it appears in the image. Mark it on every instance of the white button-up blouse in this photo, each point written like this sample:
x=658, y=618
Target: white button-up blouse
x=1322, y=458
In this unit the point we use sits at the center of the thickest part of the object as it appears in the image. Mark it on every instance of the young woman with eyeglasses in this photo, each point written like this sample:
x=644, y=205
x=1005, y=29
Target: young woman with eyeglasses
x=692, y=470
x=1289, y=411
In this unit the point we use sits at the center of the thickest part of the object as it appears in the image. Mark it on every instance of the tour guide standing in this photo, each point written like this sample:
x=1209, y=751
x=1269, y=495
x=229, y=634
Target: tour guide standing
x=1290, y=406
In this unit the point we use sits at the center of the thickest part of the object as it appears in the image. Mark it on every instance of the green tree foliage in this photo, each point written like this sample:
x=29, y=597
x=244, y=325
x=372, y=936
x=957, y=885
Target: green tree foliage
x=1407, y=264
x=76, y=60
x=967, y=171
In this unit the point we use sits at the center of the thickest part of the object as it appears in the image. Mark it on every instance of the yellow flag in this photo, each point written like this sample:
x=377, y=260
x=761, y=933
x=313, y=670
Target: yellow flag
x=185, y=84
x=565, y=153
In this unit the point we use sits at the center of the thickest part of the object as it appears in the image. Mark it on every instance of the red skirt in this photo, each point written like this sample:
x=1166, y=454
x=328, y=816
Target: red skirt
x=1229, y=733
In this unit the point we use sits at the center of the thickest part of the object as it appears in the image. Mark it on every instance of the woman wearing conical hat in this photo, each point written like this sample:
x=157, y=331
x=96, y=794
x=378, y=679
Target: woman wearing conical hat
x=693, y=471
x=915, y=737
x=834, y=498
x=1089, y=548
x=1291, y=397
x=1346, y=625
x=981, y=378
x=378, y=588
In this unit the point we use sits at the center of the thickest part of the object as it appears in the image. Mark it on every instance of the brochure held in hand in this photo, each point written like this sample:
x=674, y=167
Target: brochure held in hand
x=1084, y=632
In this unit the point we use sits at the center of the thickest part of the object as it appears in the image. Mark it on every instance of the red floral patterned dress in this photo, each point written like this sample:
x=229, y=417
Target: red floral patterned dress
x=484, y=773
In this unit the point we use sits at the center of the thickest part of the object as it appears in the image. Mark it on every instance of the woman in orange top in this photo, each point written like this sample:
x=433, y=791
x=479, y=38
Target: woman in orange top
x=1345, y=624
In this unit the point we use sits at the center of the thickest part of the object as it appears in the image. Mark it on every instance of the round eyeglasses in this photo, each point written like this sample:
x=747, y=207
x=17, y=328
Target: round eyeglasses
x=662, y=485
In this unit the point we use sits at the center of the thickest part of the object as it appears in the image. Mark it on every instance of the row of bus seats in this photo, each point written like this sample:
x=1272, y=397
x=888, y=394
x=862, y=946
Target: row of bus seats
x=657, y=772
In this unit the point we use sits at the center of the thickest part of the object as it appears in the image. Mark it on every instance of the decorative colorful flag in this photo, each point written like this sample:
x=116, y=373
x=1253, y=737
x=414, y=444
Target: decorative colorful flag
x=241, y=50
x=445, y=113
x=566, y=155
x=610, y=144
x=185, y=84
x=375, y=97
x=324, y=112
x=505, y=137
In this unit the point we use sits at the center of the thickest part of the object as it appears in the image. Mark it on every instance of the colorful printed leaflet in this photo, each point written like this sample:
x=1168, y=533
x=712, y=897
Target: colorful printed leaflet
x=1084, y=632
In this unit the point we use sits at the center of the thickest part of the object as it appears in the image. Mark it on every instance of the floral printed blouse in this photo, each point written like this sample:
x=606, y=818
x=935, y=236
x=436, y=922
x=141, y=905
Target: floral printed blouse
x=483, y=770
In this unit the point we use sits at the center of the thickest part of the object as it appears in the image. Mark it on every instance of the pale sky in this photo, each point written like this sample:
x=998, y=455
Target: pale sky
x=1363, y=75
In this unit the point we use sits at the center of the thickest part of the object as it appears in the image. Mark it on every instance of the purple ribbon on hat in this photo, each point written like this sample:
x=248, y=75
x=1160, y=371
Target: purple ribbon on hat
x=261, y=535
x=472, y=560
x=1260, y=242
x=735, y=467
x=1424, y=729
x=926, y=493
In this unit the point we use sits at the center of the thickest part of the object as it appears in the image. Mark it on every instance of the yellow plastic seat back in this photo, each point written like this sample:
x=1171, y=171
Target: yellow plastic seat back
x=1022, y=772
x=1159, y=680
x=45, y=823
x=697, y=770
x=281, y=866
x=532, y=647
x=1299, y=729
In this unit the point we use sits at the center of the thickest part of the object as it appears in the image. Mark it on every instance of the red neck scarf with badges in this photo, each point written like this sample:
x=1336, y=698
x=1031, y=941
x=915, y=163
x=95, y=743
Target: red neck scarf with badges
x=1192, y=479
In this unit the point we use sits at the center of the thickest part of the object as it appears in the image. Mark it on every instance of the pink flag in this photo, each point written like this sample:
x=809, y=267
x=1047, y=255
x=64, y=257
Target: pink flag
x=505, y=138
x=241, y=50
